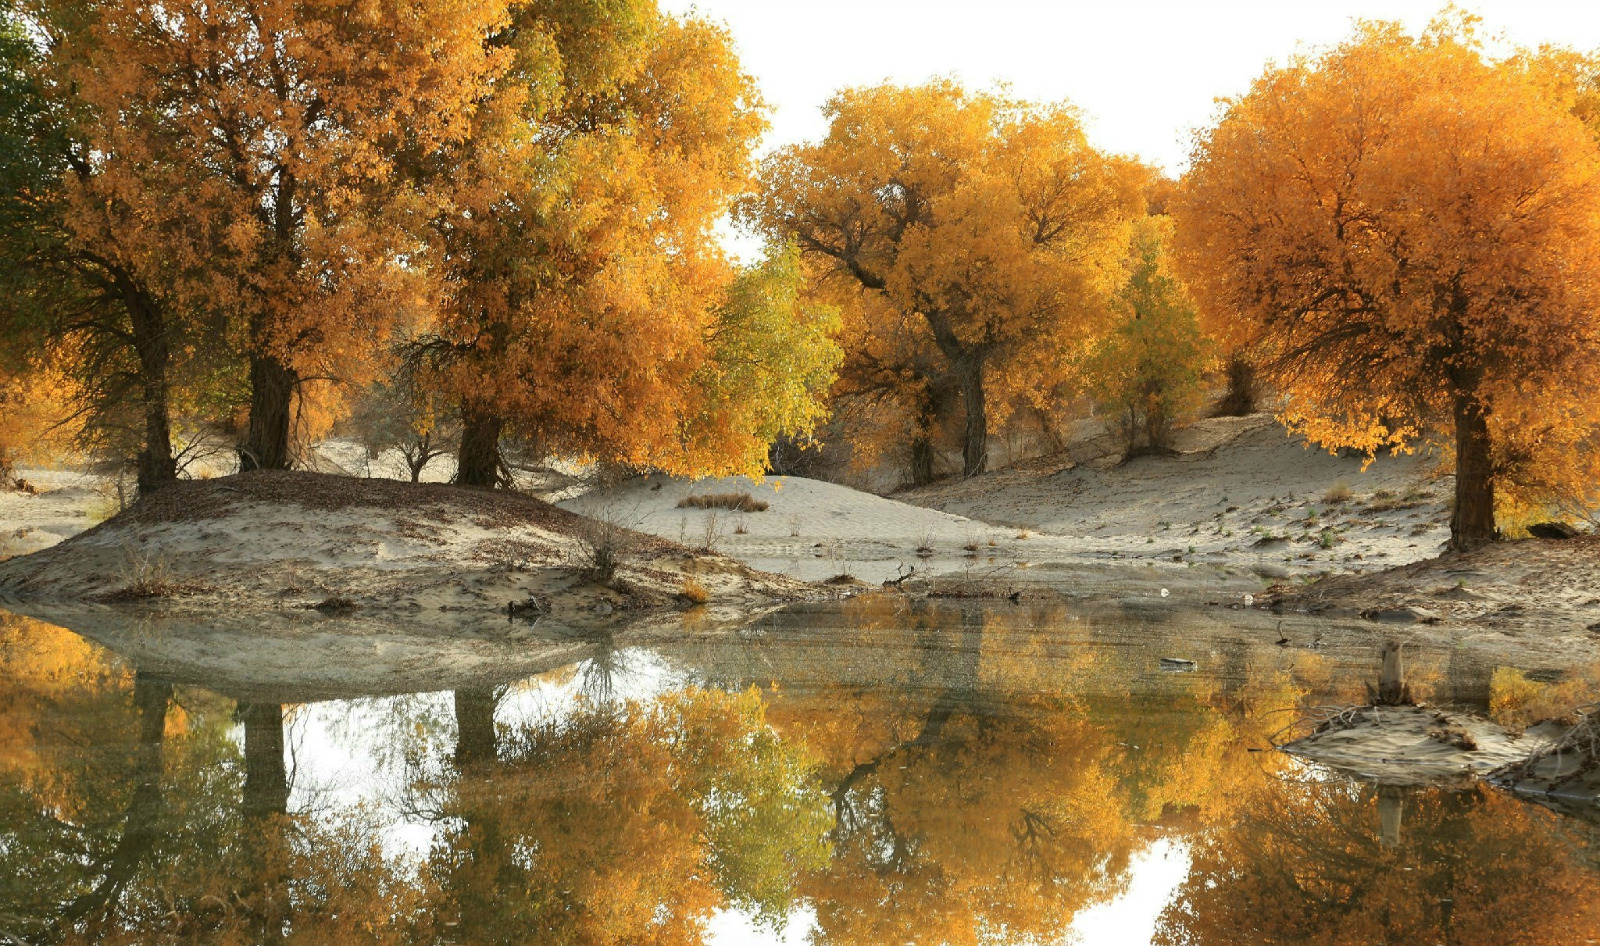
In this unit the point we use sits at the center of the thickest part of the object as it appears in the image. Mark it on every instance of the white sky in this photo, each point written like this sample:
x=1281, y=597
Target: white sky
x=1145, y=71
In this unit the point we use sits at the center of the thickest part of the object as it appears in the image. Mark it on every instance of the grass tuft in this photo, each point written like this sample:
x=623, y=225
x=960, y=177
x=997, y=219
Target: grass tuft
x=738, y=502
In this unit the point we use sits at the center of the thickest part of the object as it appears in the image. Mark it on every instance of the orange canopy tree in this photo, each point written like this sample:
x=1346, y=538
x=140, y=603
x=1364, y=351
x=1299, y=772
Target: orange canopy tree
x=1406, y=235
x=987, y=225
x=279, y=131
x=587, y=308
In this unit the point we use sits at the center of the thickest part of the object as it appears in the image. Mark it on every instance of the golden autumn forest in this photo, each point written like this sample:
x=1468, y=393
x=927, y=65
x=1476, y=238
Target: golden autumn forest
x=487, y=230
x=470, y=475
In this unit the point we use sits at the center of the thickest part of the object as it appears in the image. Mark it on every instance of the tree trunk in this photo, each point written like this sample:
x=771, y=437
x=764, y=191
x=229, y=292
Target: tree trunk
x=478, y=462
x=266, y=780
x=921, y=460
x=266, y=445
x=1472, y=522
x=475, y=736
x=156, y=465
x=975, y=448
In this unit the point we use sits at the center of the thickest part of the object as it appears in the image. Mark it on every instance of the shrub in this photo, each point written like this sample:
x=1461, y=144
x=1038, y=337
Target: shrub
x=604, y=543
x=1336, y=494
x=738, y=502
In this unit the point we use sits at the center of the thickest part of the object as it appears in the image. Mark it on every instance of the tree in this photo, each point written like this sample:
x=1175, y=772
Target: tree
x=82, y=283
x=583, y=283
x=986, y=226
x=406, y=414
x=1401, y=232
x=1148, y=373
x=278, y=132
x=772, y=359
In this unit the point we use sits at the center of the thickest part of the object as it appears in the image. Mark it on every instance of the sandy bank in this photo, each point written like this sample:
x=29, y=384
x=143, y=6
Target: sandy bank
x=293, y=541
x=1535, y=586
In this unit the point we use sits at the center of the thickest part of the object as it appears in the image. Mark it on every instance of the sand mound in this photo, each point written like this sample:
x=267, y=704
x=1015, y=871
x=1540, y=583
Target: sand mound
x=1413, y=744
x=810, y=529
x=1531, y=585
x=299, y=540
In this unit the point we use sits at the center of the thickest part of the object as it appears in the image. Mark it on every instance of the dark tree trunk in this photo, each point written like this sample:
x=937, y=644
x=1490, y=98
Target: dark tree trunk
x=156, y=465
x=921, y=460
x=266, y=780
x=266, y=444
x=478, y=461
x=475, y=736
x=975, y=447
x=1472, y=522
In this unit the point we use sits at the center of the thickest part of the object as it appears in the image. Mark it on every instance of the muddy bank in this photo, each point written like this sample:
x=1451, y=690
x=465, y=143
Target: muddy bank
x=298, y=542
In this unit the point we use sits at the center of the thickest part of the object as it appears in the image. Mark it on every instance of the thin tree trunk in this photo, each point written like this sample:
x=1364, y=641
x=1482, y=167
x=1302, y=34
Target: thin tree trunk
x=266, y=444
x=975, y=448
x=1472, y=522
x=478, y=461
x=921, y=460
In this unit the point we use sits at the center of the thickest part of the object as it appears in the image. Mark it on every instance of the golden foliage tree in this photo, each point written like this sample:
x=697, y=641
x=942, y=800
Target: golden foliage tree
x=587, y=306
x=252, y=152
x=1404, y=233
x=979, y=232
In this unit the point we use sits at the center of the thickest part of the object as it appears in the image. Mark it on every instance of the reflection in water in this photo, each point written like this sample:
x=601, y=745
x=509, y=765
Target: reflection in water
x=886, y=772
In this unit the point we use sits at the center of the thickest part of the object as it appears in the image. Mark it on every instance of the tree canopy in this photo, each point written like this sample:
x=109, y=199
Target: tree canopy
x=1403, y=233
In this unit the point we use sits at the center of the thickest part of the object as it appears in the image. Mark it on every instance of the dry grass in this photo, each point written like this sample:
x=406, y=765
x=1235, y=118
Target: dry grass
x=738, y=502
x=694, y=593
x=1336, y=494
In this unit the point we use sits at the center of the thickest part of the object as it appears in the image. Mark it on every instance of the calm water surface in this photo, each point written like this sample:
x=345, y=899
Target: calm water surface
x=872, y=772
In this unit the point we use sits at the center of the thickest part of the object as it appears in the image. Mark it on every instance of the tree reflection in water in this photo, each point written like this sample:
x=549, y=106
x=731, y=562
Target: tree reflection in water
x=622, y=824
x=934, y=774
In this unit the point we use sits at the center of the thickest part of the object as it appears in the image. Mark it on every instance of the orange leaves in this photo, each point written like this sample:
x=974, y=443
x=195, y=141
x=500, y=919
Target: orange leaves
x=1401, y=225
x=966, y=233
x=584, y=284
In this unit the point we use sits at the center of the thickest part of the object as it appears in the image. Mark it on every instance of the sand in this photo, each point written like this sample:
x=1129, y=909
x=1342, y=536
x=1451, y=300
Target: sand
x=428, y=553
x=1413, y=745
x=1243, y=515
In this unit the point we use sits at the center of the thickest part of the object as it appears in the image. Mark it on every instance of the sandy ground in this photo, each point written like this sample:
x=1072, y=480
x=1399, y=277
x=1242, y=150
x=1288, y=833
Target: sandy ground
x=1415, y=744
x=1239, y=489
x=1243, y=515
x=293, y=541
x=1240, y=506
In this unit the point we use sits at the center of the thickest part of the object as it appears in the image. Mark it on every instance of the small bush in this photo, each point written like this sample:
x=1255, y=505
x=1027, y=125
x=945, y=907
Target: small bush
x=738, y=502
x=1336, y=494
x=603, y=545
x=693, y=592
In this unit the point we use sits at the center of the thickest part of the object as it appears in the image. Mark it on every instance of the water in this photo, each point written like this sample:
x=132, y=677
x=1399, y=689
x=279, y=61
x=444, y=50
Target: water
x=875, y=771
